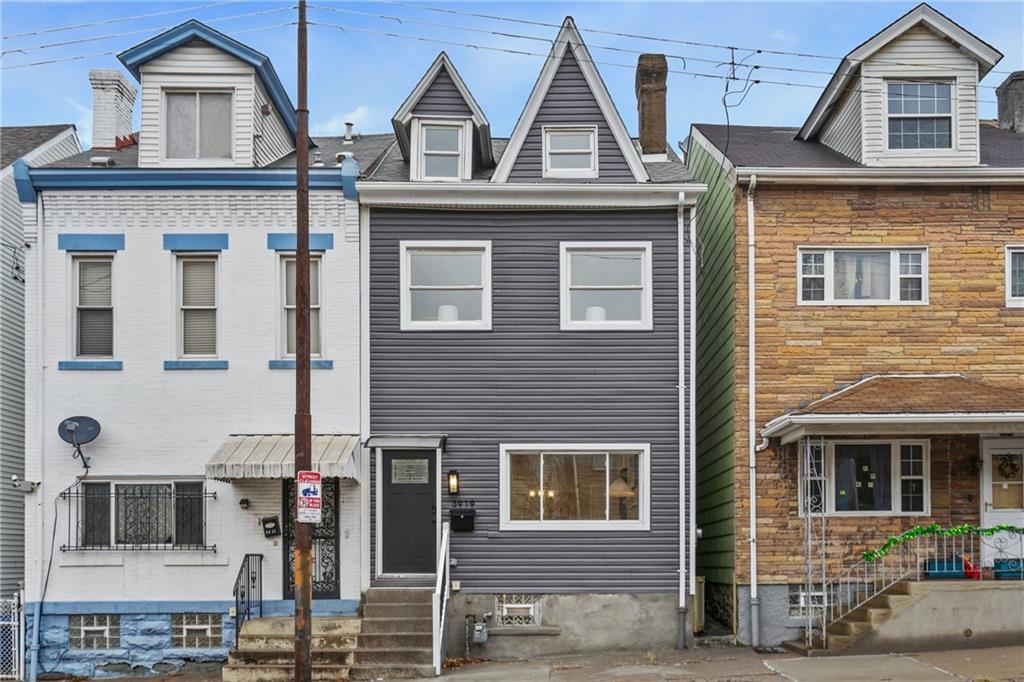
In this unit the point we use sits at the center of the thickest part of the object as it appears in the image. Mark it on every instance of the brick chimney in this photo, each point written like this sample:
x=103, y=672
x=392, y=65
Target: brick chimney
x=651, y=86
x=113, y=102
x=1011, y=102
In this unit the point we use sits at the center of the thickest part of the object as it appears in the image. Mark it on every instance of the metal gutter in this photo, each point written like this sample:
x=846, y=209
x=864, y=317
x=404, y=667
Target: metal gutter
x=891, y=176
x=526, y=195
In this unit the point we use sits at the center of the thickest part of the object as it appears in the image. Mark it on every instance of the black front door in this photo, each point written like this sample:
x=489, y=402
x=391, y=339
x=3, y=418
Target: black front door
x=326, y=565
x=409, y=513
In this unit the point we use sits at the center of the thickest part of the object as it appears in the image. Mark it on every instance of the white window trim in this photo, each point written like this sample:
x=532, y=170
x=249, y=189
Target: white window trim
x=76, y=258
x=179, y=284
x=643, y=523
x=173, y=481
x=165, y=130
x=954, y=141
x=646, y=322
x=895, y=488
x=282, y=318
x=549, y=172
x=894, y=276
x=417, y=167
x=407, y=323
x=1012, y=301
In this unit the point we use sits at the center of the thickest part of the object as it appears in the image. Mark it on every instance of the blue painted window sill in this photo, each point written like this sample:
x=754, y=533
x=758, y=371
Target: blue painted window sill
x=94, y=365
x=313, y=364
x=195, y=364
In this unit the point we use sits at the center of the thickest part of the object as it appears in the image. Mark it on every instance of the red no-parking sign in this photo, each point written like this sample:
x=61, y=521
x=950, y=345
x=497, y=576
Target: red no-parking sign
x=309, y=497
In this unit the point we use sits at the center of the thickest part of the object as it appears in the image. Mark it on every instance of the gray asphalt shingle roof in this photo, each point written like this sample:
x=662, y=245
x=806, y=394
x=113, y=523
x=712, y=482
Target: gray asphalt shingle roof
x=16, y=141
x=777, y=147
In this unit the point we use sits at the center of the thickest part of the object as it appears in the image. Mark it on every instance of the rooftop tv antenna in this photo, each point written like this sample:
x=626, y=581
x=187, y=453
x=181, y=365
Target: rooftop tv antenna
x=78, y=431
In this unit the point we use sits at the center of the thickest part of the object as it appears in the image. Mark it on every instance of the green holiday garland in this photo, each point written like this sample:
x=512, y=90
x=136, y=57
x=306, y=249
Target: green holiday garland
x=935, y=529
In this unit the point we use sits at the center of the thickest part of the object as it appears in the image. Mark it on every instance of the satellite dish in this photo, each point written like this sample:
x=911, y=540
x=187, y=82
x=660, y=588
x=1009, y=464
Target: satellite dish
x=78, y=430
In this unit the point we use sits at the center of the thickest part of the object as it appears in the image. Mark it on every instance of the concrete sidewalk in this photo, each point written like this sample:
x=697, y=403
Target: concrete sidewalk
x=741, y=664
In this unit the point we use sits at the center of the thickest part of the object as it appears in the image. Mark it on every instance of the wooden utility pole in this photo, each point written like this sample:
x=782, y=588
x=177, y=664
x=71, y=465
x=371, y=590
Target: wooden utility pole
x=303, y=426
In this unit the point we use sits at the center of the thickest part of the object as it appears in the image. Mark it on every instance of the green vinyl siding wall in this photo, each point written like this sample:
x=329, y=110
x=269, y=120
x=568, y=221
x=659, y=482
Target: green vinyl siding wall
x=716, y=555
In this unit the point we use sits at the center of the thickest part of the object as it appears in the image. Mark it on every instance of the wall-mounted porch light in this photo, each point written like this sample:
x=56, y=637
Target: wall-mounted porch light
x=453, y=482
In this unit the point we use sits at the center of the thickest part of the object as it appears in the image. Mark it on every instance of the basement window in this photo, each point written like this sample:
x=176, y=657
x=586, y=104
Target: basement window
x=801, y=600
x=95, y=631
x=518, y=610
x=196, y=631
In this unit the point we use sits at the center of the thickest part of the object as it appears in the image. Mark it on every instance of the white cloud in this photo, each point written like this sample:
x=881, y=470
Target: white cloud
x=83, y=121
x=335, y=125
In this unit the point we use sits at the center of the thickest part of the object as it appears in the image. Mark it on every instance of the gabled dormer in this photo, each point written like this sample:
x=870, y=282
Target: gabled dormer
x=208, y=101
x=570, y=130
x=442, y=133
x=908, y=96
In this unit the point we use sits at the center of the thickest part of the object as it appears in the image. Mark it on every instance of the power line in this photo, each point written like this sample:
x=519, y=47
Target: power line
x=640, y=36
x=118, y=20
x=58, y=60
x=111, y=36
x=610, y=48
x=424, y=39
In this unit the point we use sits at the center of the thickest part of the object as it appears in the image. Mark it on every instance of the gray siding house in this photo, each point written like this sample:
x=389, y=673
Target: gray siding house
x=28, y=146
x=526, y=307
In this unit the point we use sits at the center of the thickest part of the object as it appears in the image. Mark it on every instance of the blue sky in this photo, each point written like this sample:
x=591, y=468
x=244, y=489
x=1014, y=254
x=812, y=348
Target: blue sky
x=364, y=77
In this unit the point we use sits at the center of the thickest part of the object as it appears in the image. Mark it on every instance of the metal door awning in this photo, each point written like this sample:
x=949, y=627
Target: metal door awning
x=245, y=456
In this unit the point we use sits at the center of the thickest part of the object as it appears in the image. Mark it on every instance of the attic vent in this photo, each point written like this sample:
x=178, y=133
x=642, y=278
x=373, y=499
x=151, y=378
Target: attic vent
x=101, y=161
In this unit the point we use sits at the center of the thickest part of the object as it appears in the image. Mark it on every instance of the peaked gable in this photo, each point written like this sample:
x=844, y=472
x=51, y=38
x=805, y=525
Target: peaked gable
x=135, y=57
x=924, y=15
x=442, y=92
x=568, y=89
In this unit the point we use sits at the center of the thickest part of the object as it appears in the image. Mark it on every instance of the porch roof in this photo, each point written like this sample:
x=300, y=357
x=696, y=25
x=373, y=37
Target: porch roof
x=273, y=456
x=906, y=403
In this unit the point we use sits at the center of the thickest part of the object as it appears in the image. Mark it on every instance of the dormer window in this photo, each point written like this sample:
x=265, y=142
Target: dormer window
x=199, y=125
x=442, y=149
x=570, y=152
x=920, y=115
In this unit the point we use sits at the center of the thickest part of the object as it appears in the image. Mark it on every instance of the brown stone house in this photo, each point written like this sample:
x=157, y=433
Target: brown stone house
x=860, y=333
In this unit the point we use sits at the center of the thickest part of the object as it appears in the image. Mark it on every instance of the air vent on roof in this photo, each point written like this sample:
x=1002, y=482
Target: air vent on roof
x=101, y=161
x=317, y=159
x=341, y=156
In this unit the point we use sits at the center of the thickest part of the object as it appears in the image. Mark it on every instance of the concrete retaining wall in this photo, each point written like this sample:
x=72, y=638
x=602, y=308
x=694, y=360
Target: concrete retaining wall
x=570, y=623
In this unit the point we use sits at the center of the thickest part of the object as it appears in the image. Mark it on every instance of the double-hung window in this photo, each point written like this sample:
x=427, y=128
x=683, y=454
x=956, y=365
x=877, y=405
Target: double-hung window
x=570, y=152
x=575, y=486
x=862, y=276
x=199, y=125
x=94, y=307
x=445, y=285
x=1015, y=276
x=606, y=285
x=289, y=279
x=877, y=477
x=442, y=149
x=197, y=299
x=920, y=115
x=137, y=515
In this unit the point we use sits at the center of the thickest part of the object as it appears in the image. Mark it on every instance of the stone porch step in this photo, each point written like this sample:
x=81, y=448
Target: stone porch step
x=394, y=595
x=395, y=640
x=287, y=642
x=390, y=655
x=419, y=609
x=390, y=671
x=282, y=673
x=325, y=626
x=376, y=625
x=258, y=657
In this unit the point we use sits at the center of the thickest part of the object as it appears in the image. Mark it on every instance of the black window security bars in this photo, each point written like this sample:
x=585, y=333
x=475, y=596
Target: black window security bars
x=168, y=515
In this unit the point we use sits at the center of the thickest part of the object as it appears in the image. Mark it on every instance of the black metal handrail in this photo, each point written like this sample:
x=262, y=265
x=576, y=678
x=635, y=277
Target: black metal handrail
x=248, y=591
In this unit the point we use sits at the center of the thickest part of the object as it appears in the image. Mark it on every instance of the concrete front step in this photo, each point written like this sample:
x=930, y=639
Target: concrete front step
x=397, y=610
x=374, y=625
x=390, y=671
x=868, y=614
x=849, y=627
x=395, y=640
x=287, y=642
x=376, y=595
x=257, y=657
x=326, y=626
x=282, y=673
x=368, y=656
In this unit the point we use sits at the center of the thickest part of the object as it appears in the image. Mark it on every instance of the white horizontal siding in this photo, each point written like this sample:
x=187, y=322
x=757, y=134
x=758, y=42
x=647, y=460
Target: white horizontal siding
x=196, y=65
x=920, y=54
x=272, y=139
x=843, y=130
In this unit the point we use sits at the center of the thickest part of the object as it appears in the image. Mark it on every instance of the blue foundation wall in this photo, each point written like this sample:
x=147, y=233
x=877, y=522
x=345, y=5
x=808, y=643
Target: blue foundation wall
x=145, y=635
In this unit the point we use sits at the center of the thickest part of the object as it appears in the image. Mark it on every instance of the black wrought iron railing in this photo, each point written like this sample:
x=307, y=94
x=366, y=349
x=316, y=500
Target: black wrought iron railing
x=113, y=515
x=248, y=591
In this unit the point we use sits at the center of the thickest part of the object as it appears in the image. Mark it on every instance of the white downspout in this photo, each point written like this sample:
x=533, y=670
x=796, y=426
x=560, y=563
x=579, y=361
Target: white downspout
x=755, y=635
x=40, y=313
x=682, y=607
x=693, y=405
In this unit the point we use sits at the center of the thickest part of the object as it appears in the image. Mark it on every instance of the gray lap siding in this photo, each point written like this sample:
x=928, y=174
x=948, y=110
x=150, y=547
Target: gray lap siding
x=525, y=380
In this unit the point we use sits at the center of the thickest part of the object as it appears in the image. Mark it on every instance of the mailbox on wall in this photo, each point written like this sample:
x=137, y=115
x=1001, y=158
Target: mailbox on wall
x=462, y=519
